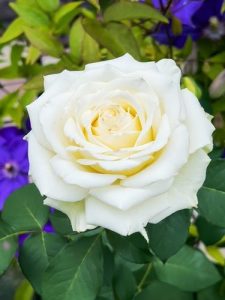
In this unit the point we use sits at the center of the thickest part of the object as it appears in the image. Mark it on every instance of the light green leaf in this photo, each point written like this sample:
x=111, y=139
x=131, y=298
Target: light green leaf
x=125, y=38
x=188, y=270
x=32, y=55
x=24, y=209
x=212, y=195
x=99, y=33
x=65, y=14
x=24, y=291
x=14, y=30
x=132, y=10
x=83, y=47
x=30, y=14
x=164, y=238
x=44, y=41
x=48, y=5
x=35, y=254
x=76, y=271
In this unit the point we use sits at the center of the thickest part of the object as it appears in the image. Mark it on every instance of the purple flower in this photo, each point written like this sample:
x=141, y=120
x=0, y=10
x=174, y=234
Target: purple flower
x=13, y=161
x=197, y=18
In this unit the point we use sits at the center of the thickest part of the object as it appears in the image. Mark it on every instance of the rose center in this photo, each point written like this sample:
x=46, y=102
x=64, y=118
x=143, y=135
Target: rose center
x=116, y=126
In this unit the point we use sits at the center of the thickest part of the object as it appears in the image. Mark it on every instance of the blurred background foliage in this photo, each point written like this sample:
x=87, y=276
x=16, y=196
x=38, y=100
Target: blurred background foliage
x=41, y=37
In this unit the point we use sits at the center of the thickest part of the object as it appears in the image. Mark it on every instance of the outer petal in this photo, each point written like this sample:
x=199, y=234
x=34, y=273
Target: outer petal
x=185, y=188
x=169, y=67
x=52, y=121
x=125, y=63
x=173, y=157
x=58, y=83
x=45, y=178
x=74, y=210
x=181, y=195
x=73, y=173
x=125, y=198
x=63, y=78
x=199, y=126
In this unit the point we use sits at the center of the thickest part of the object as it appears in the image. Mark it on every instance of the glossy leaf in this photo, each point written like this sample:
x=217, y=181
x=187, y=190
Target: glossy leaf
x=133, y=248
x=35, y=254
x=76, y=271
x=212, y=194
x=209, y=233
x=180, y=270
x=24, y=209
x=169, y=235
x=161, y=291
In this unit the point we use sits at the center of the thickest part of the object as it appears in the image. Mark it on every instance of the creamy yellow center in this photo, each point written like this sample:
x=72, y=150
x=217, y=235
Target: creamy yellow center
x=116, y=126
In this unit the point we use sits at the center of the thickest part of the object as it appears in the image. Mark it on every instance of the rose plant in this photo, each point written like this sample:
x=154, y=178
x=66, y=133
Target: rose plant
x=126, y=200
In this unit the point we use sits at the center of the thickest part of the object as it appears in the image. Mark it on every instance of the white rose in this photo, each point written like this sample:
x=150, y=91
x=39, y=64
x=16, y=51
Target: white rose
x=119, y=144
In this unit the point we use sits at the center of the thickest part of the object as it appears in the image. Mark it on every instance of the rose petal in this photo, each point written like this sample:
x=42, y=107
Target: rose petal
x=73, y=173
x=74, y=210
x=45, y=178
x=173, y=157
x=124, y=197
x=169, y=67
x=199, y=126
x=181, y=195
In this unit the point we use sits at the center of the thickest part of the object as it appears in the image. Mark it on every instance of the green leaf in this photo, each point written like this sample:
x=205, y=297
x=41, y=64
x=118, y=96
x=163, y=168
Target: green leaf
x=24, y=291
x=214, y=292
x=14, y=30
x=35, y=254
x=44, y=41
x=76, y=271
x=48, y=5
x=83, y=47
x=133, y=248
x=30, y=14
x=212, y=195
x=124, y=283
x=8, y=245
x=65, y=14
x=99, y=33
x=24, y=209
x=125, y=38
x=61, y=223
x=132, y=10
x=188, y=270
x=164, y=238
x=32, y=55
x=209, y=233
x=161, y=291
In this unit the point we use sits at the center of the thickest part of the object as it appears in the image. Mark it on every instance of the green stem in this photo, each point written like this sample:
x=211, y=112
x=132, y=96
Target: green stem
x=143, y=279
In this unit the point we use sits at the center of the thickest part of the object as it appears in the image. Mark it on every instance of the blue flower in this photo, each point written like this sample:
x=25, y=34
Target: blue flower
x=13, y=161
x=198, y=18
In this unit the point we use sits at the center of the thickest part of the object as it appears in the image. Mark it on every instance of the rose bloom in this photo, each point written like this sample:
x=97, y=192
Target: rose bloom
x=119, y=144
